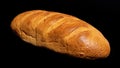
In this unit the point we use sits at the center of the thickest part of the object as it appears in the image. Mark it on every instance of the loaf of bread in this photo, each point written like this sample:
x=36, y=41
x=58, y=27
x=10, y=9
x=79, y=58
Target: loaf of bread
x=61, y=33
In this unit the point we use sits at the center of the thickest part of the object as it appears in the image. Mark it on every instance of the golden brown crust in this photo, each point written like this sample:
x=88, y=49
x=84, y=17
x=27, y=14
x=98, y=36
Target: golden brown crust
x=61, y=33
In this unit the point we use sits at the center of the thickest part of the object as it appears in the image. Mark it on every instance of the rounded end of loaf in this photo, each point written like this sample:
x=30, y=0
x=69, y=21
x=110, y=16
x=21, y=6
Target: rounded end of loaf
x=89, y=44
x=96, y=48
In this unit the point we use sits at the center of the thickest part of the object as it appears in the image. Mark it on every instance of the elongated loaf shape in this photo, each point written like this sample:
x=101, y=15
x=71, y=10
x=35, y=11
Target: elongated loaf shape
x=61, y=33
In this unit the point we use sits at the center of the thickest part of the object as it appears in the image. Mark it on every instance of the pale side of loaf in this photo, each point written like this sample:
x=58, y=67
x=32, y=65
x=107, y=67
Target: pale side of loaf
x=61, y=33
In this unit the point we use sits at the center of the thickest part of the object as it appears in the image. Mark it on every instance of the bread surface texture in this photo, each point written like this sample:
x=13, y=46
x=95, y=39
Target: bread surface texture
x=61, y=33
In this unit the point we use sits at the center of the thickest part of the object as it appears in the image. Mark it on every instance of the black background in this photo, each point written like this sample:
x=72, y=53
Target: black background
x=102, y=14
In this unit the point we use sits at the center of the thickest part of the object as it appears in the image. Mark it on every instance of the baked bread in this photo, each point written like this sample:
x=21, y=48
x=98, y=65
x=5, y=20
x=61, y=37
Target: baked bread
x=61, y=33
